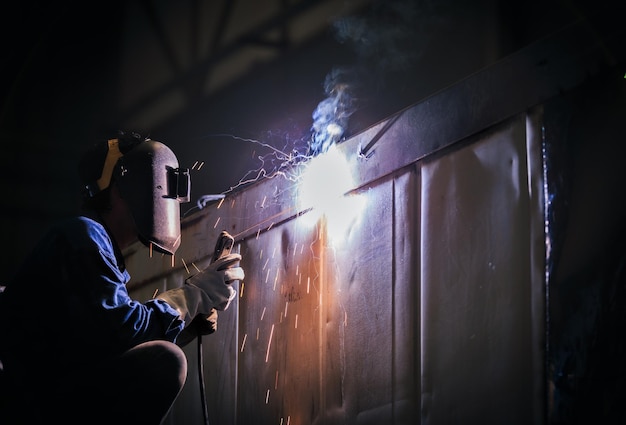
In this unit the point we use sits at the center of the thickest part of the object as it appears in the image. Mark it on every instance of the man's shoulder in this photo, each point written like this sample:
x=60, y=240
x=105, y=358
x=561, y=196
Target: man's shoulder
x=79, y=225
x=82, y=232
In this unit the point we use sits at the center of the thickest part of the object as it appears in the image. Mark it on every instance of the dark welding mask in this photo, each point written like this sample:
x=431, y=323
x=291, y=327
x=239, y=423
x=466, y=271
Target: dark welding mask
x=152, y=184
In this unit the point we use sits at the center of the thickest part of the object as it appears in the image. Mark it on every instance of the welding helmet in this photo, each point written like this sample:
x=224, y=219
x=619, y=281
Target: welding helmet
x=149, y=180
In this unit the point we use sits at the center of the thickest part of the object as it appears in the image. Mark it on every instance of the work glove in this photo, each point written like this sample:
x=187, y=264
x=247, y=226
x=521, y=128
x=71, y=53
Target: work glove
x=209, y=289
x=199, y=326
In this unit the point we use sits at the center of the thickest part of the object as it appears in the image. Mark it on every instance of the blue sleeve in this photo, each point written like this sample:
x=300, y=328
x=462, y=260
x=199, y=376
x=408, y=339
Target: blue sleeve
x=102, y=286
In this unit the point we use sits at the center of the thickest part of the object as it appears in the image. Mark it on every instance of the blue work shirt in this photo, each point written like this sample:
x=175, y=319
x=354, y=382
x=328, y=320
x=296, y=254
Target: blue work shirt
x=67, y=309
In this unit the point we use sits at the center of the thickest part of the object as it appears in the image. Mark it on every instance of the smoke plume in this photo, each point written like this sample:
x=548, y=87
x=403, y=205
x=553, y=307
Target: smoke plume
x=384, y=42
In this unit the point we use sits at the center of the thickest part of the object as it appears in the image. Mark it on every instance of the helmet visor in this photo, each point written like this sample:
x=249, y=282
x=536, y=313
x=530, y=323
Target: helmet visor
x=151, y=183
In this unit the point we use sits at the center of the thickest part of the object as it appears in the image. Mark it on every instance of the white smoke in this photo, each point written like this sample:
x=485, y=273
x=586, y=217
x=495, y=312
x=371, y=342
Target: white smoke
x=330, y=118
x=384, y=42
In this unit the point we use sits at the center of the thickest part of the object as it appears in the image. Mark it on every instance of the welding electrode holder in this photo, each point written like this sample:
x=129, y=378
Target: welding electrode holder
x=205, y=325
x=223, y=246
x=223, y=249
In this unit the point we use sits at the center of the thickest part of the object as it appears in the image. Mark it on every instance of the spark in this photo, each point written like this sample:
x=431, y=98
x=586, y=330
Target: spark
x=278, y=162
x=185, y=264
x=220, y=203
x=276, y=380
x=217, y=221
x=173, y=261
x=195, y=267
x=243, y=344
x=286, y=305
x=267, y=396
x=199, y=164
x=256, y=142
x=241, y=290
x=263, y=313
x=330, y=120
x=296, y=323
x=156, y=291
x=269, y=344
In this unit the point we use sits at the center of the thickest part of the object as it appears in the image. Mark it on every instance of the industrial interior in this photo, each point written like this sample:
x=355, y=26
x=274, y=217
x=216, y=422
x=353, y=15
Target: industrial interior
x=427, y=195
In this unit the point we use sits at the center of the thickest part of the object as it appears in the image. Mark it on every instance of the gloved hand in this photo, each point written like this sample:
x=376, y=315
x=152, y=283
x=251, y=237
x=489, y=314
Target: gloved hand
x=208, y=289
x=200, y=325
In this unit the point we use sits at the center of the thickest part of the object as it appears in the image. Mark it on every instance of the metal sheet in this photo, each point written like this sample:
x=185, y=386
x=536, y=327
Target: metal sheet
x=319, y=324
x=426, y=303
x=478, y=339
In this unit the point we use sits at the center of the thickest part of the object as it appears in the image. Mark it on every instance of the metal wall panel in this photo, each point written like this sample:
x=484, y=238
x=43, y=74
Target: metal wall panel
x=479, y=333
x=317, y=330
x=429, y=305
x=426, y=303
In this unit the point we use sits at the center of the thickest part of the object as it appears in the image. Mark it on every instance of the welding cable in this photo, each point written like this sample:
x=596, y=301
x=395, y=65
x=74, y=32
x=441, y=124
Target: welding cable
x=205, y=410
x=203, y=201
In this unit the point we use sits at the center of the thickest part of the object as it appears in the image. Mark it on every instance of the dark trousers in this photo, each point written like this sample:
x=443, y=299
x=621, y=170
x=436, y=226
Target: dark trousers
x=139, y=387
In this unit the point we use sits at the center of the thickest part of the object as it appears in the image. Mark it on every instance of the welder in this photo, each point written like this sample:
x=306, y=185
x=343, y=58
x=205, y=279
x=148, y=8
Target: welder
x=74, y=346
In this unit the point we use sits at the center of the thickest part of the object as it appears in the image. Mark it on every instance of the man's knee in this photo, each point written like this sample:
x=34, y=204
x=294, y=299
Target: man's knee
x=161, y=358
